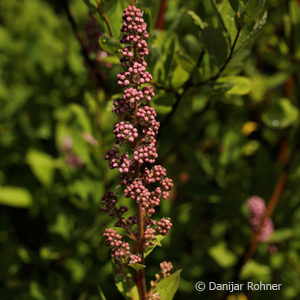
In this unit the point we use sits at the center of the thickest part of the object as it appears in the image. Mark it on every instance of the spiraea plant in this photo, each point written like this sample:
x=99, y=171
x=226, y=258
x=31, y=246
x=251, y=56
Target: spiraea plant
x=134, y=155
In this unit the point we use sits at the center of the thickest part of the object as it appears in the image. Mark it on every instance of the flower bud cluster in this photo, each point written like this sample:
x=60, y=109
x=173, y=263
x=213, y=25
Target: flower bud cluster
x=113, y=156
x=125, y=131
x=165, y=269
x=149, y=236
x=257, y=208
x=154, y=296
x=109, y=201
x=163, y=226
x=157, y=173
x=120, y=250
x=134, y=259
x=145, y=153
x=138, y=192
x=135, y=149
x=125, y=165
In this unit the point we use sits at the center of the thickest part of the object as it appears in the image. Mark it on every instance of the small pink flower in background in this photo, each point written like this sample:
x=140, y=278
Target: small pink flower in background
x=89, y=138
x=71, y=158
x=257, y=208
x=67, y=143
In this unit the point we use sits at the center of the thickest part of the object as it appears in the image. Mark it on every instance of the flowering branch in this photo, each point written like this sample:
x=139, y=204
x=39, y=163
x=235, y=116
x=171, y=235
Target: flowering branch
x=133, y=154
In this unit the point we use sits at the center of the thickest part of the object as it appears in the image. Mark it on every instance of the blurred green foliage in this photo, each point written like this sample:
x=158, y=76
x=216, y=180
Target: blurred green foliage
x=227, y=74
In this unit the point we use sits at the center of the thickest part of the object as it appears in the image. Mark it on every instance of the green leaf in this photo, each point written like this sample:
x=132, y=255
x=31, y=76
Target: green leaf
x=185, y=61
x=137, y=267
x=123, y=288
x=167, y=99
x=250, y=148
x=228, y=16
x=224, y=257
x=281, y=235
x=156, y=242
x=169, y=56
x=164, y=64
x=218, y=87
x=62, y=225
x=15, y=196
x=185, y=107
x=231, y=147
x=180, y=76
x=246, y=42
x=281, y=115
x=255, y=269
x=234, y=4
x=82, y=117
x=113, y=11
x=291, y=112
x=192, y=46
x=263, y=84
x=221, y=19
x=86, y=189
x=199, y=101
x=241, y=85
x=168, y=286
x=36, y=291
x=253, y=10
x=215, y=44
x=110, y=44
x=42, y=165
x=91, y=4
x=76, y=268
x=48, y=253
x=197, y=20
x=102, y=296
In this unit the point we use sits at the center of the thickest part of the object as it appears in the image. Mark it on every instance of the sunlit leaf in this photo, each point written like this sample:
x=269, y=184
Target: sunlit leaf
x=102, y=296
x=137, y=267
x=110, y=44
x=197, y=19
x=42, y=166
x=280, y=235
x=222, y=255
x=168, y=286
x=255, y=269
x=179, y=77
x=15, y=196
x=241, y=85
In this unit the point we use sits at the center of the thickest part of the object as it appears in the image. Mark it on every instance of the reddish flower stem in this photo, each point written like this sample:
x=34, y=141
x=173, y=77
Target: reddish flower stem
x=140, y=275
x=161, y=15
x=141, y=283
